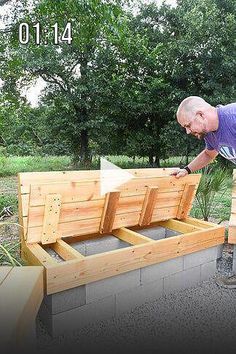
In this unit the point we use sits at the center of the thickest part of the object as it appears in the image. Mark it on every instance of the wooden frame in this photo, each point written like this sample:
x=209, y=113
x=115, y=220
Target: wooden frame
x=153, y=198
x=232, y=221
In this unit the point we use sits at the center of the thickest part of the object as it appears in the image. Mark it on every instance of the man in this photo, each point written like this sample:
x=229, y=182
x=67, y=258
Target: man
x=217, y=126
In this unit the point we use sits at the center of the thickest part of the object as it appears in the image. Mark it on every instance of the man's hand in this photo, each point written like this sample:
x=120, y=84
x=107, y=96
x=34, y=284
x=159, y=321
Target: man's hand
x=181, y=172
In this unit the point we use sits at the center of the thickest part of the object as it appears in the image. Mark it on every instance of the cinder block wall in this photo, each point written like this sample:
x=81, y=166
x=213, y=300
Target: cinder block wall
x=75, y=308
x=234, y=259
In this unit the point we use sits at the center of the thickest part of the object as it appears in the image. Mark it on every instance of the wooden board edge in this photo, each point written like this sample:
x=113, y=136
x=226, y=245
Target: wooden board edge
x=100, y=266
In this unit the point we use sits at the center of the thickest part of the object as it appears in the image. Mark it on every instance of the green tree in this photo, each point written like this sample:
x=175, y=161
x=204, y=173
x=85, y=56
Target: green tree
x=69, y=69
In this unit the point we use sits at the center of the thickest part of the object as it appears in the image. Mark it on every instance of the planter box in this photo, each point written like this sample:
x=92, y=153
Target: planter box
x=103, y=255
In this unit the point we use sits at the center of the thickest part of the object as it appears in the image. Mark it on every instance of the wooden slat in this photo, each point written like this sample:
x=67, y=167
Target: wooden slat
x=130, y=236
x=198, y=223
x=186, y=201
x=148, y=206
x=50, y=231
x=179, y=226
x=232, y=234
x=109, y=212
x=40, y=256
x=27, y=178
x=90, y=190
x=66, y=251
x=100, y=266
x=233, y=205
x=83, y=227
x=232, y=221
x=93, y=209
x=83, y=194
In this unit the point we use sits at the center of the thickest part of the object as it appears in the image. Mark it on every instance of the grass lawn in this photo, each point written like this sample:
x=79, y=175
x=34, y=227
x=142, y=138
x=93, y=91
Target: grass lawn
x=10, y=166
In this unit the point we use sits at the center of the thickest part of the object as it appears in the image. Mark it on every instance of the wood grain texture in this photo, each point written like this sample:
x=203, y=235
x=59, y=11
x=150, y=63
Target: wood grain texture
x=148, y=206
x=186, y=201
x=232, y=220
x=51, y=217
x=92, y=268
x=109, y=212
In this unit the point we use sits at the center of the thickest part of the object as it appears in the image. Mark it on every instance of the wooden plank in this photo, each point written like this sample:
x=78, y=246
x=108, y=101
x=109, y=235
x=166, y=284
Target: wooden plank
x=21, y=295
x=93, y=209
x=23, y=229
x=232, y=221
x=40, y=256
x=233, y=205
x=83, y=227
x=50, y=231
x=100, y=266
x=66, y=251
x=26, y=178
x=130, y=236
x=109, y=212
x=186, y=201
x=4, y=272
x=232, y=234
x=25, y=204
x=199, y=223
x=90, y=190
x=179, y=226
x=148, y=206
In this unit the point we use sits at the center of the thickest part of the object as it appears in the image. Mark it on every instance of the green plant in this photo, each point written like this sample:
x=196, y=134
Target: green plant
x=213, y=185
x=8, y=250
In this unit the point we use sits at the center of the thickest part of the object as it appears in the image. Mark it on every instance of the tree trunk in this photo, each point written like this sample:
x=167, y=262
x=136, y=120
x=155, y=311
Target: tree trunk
x=150, y=159
x=84, y=155
x=157, y=162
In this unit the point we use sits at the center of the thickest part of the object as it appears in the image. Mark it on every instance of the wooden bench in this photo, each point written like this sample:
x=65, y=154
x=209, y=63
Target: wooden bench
x=232, y=221
x=21, y=294
x=57, y=209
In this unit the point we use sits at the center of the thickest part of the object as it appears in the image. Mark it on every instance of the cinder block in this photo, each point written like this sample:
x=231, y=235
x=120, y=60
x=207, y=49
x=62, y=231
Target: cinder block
x=129, y=299
x=182, y=280
x=234, y=266
x=104, y=244
x=54, y=255
x=155, y=233
x=77, y=318
x=208, y=270
x=219, y=250
x=161, y=270
x=200, y=257
x=105, y=287
x=234, y=252
x=170, y=233
x=79, y=246
x=66, y=299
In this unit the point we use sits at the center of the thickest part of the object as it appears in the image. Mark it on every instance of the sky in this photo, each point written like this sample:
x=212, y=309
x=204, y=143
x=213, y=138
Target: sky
x=32, y=93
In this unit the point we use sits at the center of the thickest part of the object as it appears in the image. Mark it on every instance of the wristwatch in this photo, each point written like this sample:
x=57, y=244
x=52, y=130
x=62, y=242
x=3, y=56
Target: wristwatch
x=187, y=169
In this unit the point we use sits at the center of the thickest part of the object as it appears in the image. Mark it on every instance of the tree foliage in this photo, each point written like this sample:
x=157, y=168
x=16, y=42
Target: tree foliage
x=115, y=89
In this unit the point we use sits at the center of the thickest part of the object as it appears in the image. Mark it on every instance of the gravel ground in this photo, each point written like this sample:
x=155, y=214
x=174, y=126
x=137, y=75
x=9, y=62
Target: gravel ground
x=196, y=320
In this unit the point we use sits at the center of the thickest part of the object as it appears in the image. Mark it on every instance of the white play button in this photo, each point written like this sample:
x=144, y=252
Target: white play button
x=111, y=177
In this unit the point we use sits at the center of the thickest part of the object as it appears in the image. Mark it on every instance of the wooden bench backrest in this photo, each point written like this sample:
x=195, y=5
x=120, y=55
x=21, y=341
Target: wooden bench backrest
x=63, y=204
x=232, y=221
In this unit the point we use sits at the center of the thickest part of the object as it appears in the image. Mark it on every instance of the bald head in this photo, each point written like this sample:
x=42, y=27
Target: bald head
x=190, y=106
x=197, y=116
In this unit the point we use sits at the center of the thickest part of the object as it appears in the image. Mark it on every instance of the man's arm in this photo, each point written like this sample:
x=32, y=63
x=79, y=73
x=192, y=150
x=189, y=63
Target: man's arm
x=202, y=160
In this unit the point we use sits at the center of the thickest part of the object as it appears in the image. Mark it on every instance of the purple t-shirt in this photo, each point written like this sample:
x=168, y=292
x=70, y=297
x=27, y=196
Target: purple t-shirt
x=224, y=138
